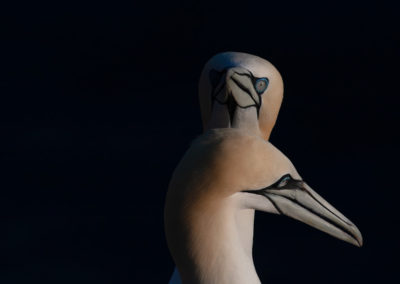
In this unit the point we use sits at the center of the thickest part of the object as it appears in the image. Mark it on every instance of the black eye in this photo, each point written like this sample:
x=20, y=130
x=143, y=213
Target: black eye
x=261, y=85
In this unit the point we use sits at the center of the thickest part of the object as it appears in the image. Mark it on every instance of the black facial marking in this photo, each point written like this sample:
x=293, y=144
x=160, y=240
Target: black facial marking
x=313, y=197
x=215, y=79
x=255, y=80
x=243, y=88
x=246, y=90
x=287, y=182
x=313, y=212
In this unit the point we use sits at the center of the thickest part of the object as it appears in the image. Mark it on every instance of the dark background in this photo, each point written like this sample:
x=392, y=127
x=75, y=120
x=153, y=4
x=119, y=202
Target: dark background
x=98, y=102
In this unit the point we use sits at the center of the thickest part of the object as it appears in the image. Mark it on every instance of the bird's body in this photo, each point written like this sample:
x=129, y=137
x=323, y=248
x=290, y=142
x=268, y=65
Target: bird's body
x=230, y=171
x=207, y=212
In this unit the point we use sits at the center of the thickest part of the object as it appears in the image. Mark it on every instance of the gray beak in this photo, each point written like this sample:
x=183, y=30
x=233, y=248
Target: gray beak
x=236, y=89
x=307, y=206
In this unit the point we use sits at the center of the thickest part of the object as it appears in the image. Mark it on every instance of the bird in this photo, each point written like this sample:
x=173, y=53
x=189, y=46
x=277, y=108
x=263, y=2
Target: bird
x=230, y=171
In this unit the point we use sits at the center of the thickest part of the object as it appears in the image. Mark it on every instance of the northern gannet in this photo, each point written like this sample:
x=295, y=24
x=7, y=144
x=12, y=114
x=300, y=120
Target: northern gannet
x=231, y=170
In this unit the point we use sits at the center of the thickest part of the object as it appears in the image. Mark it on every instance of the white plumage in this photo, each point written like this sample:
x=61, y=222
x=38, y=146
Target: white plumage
x=232, y=170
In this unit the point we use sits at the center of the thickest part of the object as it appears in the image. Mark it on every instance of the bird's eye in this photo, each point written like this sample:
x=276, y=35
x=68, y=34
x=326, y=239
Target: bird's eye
x=261, y=85
x=284, y=181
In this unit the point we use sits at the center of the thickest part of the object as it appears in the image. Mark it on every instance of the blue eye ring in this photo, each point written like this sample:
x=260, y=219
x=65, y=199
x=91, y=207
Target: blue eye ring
x=261, y=85
x=284, y=181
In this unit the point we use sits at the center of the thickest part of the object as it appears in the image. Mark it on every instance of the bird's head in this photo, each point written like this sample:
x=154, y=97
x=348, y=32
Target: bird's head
x=282, y=190
x=259, y=176
x=239, y=90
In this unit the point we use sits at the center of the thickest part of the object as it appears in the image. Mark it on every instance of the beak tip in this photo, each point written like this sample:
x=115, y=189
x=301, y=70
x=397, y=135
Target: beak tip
x=360, y=242
x=358, y=239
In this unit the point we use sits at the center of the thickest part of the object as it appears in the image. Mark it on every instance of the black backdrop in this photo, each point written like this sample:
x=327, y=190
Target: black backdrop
x=99, y=102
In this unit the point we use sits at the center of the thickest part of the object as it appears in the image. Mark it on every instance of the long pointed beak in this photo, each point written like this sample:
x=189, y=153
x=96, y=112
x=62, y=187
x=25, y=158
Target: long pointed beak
x=307, y=206
x=237, y=87
x=236, y=91
x=240, y=86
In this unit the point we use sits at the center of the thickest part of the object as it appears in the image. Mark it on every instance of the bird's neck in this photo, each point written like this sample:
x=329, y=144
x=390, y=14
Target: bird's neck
x=222, y=243
x=245, y=119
